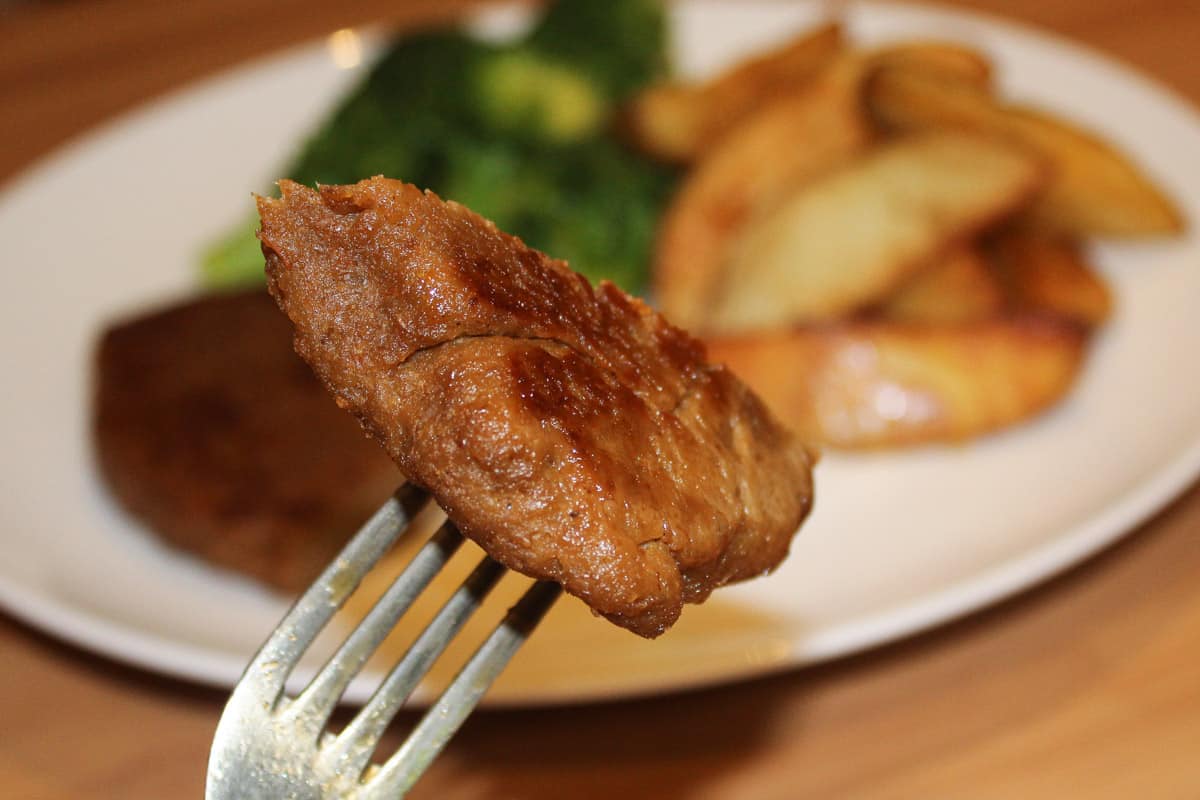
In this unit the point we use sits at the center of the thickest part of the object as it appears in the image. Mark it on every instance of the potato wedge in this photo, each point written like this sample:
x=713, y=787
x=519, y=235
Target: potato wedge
x=666, y=121
x=789, y=141
x=677, y=122
x=945, y=59
x=848, y=239
x=1093, y=191
x=882, y=384
x=1049, y=275
x=959, y=287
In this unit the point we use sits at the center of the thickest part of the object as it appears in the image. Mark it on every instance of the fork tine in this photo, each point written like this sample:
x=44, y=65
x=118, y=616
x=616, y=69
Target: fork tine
x=428, y=739
x=349, y=752
x=314, y=705
x=267, y=674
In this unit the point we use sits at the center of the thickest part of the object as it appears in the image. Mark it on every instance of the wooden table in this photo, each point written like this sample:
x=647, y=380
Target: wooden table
x=1085, y=687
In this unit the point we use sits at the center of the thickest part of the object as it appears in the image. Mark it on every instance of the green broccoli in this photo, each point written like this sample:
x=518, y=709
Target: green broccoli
x=397, y=122
x=529, y=96
x=518, y=132
x=235, y=259
x=619, y=45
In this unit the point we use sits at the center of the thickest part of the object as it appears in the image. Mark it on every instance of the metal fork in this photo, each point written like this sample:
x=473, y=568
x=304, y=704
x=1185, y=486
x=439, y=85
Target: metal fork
x=270, y=745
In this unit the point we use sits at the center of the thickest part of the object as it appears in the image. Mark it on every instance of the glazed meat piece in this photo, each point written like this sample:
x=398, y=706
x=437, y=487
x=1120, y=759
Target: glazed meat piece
x=570, y=431
x=211, y=430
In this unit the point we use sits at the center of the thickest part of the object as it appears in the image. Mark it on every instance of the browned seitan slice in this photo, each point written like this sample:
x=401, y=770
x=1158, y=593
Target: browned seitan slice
x=569, y=430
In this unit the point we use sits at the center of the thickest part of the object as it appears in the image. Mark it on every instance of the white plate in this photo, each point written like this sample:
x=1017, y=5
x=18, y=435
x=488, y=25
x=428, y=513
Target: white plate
x=898, y=542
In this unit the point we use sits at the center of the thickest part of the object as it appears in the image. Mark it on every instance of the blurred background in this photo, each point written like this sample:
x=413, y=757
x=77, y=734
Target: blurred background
x=1082, y=687
x=111, y=54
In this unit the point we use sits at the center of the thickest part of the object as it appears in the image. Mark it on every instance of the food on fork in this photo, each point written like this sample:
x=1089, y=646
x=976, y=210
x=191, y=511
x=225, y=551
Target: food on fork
x=212, y=431
x=569, y=430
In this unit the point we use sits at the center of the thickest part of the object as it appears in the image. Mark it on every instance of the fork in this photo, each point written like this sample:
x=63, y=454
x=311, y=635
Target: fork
x=270, y=745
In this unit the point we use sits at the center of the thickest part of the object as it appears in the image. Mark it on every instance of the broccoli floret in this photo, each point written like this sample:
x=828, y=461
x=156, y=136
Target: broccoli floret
x=398, y=121
x=526, y=94
x=517, y=132
x=619, y=44
x=604, y=220
x=235, y=259
x=395, y=123
x=592, y=204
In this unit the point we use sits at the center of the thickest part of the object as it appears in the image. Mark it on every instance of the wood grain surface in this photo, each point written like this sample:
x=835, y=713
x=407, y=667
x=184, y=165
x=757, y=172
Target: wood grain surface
x=1086, y=687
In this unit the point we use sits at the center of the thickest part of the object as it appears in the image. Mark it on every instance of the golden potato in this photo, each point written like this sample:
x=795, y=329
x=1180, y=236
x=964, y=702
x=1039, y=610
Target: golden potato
x=885, y=251
x=945, y=59
x=846, y=240
x=667, y=121
x=872, y=384
x=959, y=287
x=1049, y=275
x=677, y=122
x=1093, y=189
x=782, y=145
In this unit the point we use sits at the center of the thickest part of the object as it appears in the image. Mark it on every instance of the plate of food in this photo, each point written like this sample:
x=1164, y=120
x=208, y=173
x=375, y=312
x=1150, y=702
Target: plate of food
x=955, y=254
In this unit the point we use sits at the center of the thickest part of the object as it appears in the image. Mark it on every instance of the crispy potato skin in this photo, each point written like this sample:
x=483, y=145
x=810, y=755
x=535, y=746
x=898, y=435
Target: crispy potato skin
x=875, y=384
x=959, y=286
x=1049, y=275
x=885, y=287
x=947, y=60
x=783, y=145
x=846, y=241
x=1094, y=190
x=679, y=122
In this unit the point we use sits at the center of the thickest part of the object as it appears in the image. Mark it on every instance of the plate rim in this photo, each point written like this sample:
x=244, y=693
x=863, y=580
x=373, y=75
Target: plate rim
x=1074, y=547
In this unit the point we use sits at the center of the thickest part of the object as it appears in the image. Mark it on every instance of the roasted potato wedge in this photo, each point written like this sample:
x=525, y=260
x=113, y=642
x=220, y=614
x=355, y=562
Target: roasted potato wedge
x=848, y=239
x=677, y=122
x=944, y=59
x=784, y=144
x=959, y=287
x=874, y=384
x=1049, y=275
x=1093, y=190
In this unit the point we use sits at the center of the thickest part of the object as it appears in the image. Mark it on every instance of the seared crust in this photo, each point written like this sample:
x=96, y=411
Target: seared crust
x=570, y=431
x=213, y=432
